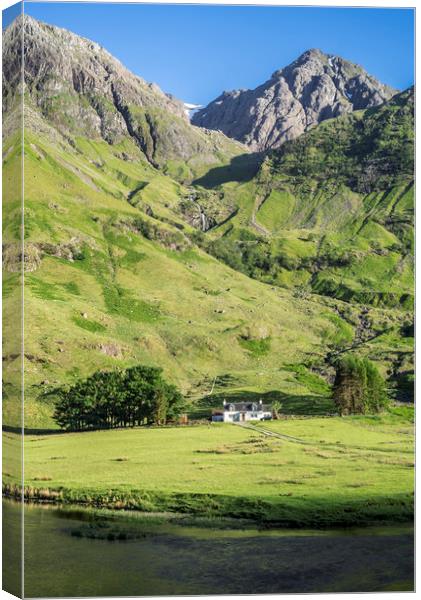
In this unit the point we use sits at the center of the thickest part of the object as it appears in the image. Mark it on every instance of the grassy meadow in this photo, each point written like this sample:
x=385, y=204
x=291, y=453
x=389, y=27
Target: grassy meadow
x=329, y=471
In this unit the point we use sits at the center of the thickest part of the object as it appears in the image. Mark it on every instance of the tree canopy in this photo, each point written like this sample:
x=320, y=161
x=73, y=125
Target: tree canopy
x=358, y=388
x=124, y=398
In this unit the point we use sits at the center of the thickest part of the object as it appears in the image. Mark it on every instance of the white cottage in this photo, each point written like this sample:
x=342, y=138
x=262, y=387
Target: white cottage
x=234, y=412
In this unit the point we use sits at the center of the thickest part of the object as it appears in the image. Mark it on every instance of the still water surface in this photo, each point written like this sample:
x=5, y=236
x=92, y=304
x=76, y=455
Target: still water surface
x=167, y=559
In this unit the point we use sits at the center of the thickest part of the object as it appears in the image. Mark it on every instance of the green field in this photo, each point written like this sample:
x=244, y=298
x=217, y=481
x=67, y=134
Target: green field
x=335, y=471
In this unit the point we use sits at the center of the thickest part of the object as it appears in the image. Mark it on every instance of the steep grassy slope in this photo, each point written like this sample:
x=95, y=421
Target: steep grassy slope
x=113, y=278
x=333, y=210
x=109, y=285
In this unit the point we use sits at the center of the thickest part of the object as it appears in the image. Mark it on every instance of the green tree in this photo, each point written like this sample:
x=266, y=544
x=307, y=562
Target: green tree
x=122, y=398
x=376, y=395
x=228, y=251
x=276, y=408
x=358, y=388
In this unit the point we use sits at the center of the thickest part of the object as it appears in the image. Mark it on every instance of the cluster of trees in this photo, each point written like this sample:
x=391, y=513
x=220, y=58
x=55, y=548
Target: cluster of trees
x=358, y=387
x=124, y=398
x=156, y=230
x=246, y=253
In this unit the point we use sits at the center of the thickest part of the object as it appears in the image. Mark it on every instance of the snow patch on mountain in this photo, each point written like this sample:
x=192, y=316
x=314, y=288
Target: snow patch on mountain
x=190, y=109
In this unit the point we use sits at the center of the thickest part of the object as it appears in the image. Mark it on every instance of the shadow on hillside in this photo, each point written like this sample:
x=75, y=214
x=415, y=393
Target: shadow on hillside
x=300, y=405
x=30, y=431
x=241, y=168
x=404, y=386
x=309, y=405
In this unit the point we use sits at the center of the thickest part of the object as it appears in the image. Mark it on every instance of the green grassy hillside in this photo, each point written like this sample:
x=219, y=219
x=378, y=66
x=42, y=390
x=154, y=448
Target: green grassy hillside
x=113, y=278
x=116, y=275
x=108, y=285
x=332, y=212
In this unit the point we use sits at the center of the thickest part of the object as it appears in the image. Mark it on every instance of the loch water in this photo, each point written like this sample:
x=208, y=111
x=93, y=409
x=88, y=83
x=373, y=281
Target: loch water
x=72, y=553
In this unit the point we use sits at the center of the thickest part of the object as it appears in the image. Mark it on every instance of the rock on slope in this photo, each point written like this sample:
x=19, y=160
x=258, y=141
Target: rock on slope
x=81, y=89
x=313, y=88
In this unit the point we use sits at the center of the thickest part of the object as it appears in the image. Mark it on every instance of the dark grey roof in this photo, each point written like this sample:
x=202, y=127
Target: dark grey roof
x=246, y=406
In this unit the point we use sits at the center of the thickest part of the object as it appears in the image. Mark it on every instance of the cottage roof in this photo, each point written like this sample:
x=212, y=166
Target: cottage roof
x=246, y=406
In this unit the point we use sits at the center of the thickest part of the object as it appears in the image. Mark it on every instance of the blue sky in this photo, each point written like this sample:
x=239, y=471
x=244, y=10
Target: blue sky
x=196, y=52
x=10, y=13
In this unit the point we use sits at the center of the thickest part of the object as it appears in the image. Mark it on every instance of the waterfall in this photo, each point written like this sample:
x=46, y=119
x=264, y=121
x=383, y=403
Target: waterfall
x=203, y=220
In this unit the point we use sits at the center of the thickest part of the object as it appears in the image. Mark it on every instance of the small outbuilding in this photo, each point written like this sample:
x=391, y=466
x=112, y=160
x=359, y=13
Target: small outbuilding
x=236, y=412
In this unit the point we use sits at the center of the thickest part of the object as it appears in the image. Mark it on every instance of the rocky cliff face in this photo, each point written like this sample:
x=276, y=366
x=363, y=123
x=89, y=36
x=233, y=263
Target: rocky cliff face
x=59, y=62
x=313, y=88
x=81, y=89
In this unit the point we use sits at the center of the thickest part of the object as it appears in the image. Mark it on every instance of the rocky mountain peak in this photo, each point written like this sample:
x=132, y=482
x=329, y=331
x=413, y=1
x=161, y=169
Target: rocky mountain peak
x=76, y=86
x=312, y=58
x=314, y=87
x=59, y=61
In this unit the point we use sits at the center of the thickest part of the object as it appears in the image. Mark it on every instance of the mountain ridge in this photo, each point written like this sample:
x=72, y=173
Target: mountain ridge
x=81, y=89
x=314, y=87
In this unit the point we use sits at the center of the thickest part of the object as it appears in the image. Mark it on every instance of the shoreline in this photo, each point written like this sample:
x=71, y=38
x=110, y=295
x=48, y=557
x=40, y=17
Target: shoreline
x=256, y=511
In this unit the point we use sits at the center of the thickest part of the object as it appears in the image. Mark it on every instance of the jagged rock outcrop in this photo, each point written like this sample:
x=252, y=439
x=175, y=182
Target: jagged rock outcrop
x=58, y=62
x=313, y=88
x=81, y=89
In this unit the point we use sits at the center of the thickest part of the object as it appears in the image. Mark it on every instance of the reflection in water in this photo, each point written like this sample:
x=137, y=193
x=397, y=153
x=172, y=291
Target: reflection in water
x=63, y=559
